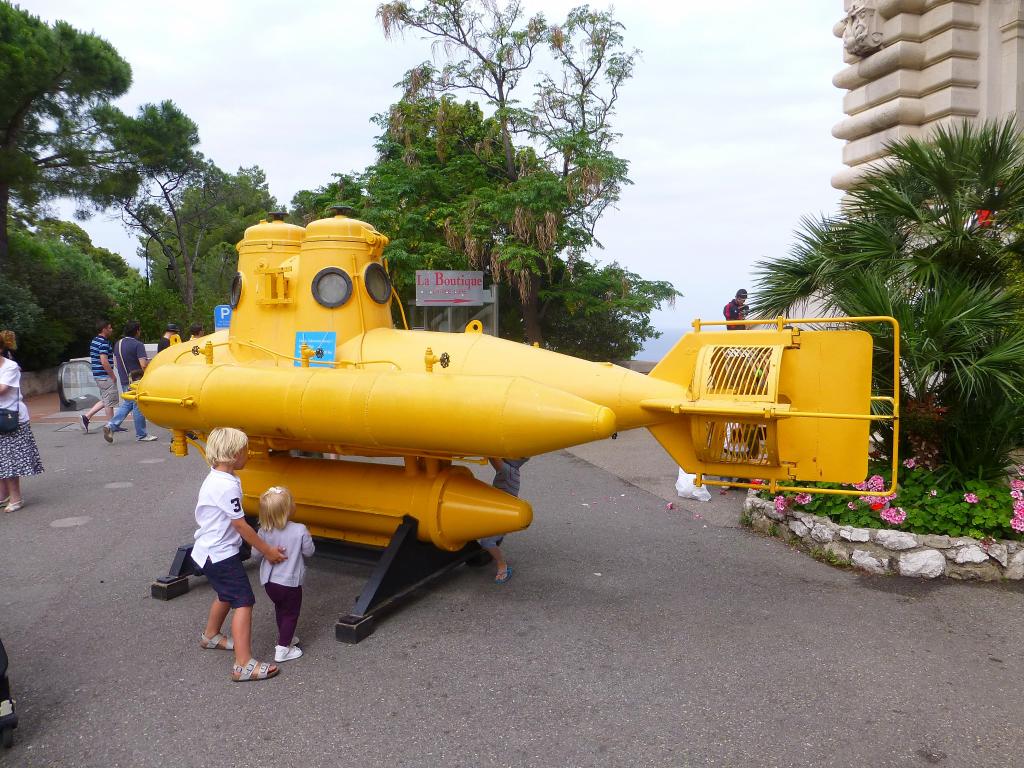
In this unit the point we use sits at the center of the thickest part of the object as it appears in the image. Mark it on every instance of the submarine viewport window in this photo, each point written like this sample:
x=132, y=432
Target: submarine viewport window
x=332, y=287
x=236, y=290
x=377, y=282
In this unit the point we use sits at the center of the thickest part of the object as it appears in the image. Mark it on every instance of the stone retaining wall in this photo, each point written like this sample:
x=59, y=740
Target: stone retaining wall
x=880, y=550
x=38, y=382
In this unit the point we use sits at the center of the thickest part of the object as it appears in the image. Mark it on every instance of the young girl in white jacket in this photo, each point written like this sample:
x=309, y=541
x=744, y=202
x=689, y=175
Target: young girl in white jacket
x=283, y=581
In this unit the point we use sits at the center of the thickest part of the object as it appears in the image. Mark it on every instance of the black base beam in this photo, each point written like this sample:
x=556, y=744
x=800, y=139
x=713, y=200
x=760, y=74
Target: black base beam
x=175, y=583
x=405, y=566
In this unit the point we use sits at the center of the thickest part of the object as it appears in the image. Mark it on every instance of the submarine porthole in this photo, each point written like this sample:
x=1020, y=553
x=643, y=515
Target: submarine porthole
x=236, y=290
x=377, y=282
x=332, y=287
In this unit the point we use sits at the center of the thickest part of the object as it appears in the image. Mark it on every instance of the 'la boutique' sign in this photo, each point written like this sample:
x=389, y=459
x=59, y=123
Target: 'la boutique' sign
x=446, y=288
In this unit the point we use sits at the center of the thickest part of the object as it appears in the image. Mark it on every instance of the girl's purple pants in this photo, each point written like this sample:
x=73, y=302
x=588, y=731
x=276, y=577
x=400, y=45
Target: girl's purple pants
x=287, y=604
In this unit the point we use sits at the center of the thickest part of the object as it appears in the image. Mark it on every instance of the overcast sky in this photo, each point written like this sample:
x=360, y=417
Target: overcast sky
x=726, y=123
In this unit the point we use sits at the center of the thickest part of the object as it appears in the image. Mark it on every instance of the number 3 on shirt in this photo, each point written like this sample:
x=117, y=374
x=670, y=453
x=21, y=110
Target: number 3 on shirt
x=236, y=504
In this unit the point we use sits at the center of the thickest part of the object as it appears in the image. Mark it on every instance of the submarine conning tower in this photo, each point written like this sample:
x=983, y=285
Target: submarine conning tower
x=336, y=262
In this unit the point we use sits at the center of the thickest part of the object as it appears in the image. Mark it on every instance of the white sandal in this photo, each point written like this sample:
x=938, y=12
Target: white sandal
x=213, y=643
x=254, y=670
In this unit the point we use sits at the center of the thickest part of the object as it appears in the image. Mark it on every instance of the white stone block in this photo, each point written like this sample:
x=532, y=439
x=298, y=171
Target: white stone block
x=821, y=533
x=854, y=534
x=926, y=564
x=971, y=554
x=798, y=528
x=896, y=540
x=999, y=553
x=869, y=562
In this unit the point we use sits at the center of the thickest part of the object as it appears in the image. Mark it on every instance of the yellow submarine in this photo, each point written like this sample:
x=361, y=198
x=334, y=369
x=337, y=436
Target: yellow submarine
x=312, y=369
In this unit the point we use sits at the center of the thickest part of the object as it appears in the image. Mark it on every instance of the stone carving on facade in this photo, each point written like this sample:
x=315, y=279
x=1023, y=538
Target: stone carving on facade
x=862, y=35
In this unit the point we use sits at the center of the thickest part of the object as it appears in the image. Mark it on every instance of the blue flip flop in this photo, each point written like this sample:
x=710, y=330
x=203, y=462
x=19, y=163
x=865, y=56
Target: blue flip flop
x=506, y=577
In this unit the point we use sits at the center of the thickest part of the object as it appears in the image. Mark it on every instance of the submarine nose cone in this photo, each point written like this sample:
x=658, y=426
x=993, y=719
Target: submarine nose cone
x=605, y=423
x=470, y=510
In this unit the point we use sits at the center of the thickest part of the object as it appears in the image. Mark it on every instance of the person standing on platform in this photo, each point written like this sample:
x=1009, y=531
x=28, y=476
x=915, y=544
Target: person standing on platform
x=101, y=357
x=737, y=310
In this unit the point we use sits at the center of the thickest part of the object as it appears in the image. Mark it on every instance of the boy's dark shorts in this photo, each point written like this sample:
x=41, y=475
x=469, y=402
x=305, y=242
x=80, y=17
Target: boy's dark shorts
x=230, y=582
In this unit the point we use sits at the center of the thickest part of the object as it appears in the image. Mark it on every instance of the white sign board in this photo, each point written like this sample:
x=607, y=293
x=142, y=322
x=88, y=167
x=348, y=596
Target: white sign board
x=447, y=288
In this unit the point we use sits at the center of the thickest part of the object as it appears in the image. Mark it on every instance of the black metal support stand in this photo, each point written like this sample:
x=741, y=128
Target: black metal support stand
x=405, y=565
x=175, y=583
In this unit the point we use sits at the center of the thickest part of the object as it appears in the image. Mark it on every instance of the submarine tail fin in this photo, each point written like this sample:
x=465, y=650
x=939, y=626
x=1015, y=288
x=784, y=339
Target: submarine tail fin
x=779, y=404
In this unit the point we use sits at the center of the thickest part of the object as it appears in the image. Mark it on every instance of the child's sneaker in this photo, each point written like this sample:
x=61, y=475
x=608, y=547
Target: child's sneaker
x=85, y=423
x=286, y=653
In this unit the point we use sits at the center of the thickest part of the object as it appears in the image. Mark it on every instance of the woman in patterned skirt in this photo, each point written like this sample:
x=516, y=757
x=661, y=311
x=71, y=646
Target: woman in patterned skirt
x=19, y=456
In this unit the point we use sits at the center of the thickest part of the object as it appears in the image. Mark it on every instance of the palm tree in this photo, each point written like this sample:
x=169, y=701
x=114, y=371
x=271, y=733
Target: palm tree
x=933, y=237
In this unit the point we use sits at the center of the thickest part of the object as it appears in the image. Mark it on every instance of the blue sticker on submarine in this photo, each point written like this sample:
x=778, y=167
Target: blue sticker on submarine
x=321, y=342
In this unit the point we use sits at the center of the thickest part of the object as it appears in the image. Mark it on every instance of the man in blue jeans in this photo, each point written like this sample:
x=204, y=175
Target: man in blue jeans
x=130, y=356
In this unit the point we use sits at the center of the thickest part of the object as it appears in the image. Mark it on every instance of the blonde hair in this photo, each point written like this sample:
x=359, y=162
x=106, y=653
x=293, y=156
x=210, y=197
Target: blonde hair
x=276, y=504
x=223, y=444
x=8, y=340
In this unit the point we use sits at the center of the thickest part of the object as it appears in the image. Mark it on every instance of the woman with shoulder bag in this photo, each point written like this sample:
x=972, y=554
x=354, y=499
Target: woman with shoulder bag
x=19, y=456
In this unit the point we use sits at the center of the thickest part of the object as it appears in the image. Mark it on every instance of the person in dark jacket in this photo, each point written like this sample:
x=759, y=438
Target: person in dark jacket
x=737, y=310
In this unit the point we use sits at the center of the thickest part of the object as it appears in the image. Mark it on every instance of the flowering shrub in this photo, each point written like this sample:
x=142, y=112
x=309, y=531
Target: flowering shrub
x=978, y=508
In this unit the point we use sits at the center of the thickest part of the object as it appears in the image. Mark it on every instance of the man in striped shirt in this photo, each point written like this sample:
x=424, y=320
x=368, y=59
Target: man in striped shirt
x=101, y=355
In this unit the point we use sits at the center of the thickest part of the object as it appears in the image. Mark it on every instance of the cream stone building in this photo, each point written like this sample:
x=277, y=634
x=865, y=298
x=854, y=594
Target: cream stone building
x=912, y=65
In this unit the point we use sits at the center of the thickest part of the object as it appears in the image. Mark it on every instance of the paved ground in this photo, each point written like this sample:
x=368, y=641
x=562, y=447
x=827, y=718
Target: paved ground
x=631, y=635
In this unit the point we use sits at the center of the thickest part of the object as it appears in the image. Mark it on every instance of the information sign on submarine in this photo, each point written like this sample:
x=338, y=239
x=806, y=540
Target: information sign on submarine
x=321, y=342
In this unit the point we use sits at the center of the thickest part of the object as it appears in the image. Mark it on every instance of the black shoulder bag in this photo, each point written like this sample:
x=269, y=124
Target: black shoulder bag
x=10, y=418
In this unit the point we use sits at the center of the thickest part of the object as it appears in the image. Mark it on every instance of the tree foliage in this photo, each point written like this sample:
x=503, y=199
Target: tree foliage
x=550, y=165
x=932, y=238
x=54, y=292
x=54, y=82
x=440, y=161
x=187, y=212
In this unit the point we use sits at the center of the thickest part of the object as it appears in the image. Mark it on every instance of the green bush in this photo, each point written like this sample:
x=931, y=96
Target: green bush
x=52, y=296
x=976, y=508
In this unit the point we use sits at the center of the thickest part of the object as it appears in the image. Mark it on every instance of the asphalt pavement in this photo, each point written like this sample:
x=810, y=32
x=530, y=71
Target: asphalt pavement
x=630, y=635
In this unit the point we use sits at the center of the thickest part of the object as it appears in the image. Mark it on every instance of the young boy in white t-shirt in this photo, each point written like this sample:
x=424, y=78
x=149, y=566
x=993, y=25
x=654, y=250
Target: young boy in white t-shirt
x=222, y=528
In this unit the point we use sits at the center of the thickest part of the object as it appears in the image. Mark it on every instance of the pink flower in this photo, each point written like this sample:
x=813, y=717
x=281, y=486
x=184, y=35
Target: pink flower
x=971, y=498
x=876, y=483
x=803, y=498
x=910, y=463
x=1016, y=495
x=1017, y=484
x=933, y=492
x=1018, y=507
x=1017, y=523
x=894, y=515
x=780, y=503
x=851, y=505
